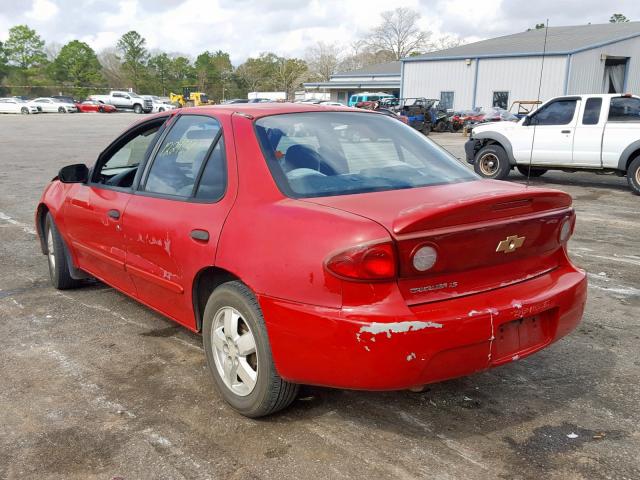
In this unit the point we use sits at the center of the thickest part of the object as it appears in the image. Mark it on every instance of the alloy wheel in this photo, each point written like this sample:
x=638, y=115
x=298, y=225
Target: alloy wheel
x=234, y=351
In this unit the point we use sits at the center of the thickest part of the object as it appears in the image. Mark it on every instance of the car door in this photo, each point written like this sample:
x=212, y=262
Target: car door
x=93, y=212
x=554, y=127
x=621, y=128
x=587, y=140
x=7, y=107
x=173, y=223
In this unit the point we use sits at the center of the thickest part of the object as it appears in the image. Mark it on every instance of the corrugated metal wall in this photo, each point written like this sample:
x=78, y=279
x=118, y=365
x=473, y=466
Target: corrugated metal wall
x=428, y=79
x=520, y=77
x=587, y=70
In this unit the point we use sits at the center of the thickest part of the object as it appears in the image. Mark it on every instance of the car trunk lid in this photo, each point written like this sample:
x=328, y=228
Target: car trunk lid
x=487, y=234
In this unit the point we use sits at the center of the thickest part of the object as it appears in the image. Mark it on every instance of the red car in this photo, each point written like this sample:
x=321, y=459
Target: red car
x=316, y=245
x=95, y=106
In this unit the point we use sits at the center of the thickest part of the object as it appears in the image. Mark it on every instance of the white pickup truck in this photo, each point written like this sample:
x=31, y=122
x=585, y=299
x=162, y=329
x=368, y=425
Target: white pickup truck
x=597, y=133
x=125, y=101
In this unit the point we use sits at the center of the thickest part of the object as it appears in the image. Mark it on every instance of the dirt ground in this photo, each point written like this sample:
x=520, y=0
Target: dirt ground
x=96, y=386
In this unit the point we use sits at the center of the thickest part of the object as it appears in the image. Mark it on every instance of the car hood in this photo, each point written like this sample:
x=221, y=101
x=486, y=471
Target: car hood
x=494, y=127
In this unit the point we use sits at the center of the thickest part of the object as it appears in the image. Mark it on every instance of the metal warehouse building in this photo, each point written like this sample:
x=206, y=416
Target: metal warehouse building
x=579, y=59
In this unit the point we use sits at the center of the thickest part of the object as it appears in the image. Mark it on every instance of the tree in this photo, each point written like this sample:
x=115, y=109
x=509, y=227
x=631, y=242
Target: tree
x=618, y=18
x=24, y=48
x=160, y=68
x=538, y=26
x=77, y=64
x=112, y=68
x=134, y=56
x=211, y=70
x=323, y=60
x=289, y=74
x=399, y=34
x=444, y=42
x=258, y=73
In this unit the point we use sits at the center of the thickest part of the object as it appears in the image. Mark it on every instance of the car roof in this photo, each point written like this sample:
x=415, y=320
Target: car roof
x=257, y=110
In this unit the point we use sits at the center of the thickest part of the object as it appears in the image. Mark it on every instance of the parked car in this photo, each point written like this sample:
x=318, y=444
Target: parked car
x=65, y=98
x=159, y=105
x=371, y=259
x=14, y=105
x=235, y=100
x=596, y=133
x=125, y=101
x=365, y=97
x=95, y=106
x=53, y=105
x=259, y=100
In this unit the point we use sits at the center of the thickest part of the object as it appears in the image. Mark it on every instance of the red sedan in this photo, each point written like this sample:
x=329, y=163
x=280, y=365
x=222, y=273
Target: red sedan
x=95, y=106
x=316, y=245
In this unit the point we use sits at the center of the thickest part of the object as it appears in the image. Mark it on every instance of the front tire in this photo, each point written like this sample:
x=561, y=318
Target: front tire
x=61, y=110
x=492, y=162
x=24, y=111
x=238, y=353
x=137, y=109
x=59, y=268
x=534, y=173
x=633, y=176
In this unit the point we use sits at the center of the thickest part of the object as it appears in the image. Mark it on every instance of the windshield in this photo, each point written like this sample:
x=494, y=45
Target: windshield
x=319, y=154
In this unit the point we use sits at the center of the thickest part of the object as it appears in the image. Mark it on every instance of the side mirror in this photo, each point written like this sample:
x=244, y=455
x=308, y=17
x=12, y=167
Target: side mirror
x=76, y=173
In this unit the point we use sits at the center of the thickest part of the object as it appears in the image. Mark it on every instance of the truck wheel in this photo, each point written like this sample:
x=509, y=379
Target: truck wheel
x=633, y=176
x=535, y=172
x=426, y=130
x=492, y=162
x=239, y=355
x=137, y=108
x=59, y=270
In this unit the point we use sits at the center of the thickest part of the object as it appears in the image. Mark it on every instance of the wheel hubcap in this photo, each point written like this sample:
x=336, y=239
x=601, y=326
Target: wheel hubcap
x=50, y=252
x=489, y=164
x=234, y=351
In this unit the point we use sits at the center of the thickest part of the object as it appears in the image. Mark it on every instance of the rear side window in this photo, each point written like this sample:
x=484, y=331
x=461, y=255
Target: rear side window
x=556, y=113
x=181, y=155
x=592, y=109
x=338, y=153
x=213, y=181
x=624, y=109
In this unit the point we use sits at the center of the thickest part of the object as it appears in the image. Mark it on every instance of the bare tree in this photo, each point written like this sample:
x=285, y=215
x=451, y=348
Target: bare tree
x=323, y=60
x=112, y=67
x=361, y=55
x=443, y=42
x=399, y=34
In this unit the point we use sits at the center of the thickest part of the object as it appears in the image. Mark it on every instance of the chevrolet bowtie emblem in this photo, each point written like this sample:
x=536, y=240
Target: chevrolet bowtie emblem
x=510, y=244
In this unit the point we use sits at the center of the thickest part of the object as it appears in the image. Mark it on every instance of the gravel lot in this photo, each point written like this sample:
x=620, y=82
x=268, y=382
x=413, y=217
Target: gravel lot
x=94, y=385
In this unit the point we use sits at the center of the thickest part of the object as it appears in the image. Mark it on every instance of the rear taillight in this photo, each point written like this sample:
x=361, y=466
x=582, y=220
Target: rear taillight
x=375, y=262
x=566, y=228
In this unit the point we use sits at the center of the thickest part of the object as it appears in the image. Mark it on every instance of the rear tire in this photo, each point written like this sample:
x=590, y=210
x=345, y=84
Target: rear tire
x=633, y=176
x=59, y=268
x=492, y=162
x=238, y=353
x=535, y=172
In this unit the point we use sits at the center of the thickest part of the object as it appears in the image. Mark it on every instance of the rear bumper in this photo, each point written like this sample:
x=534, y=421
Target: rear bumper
x=355, y=348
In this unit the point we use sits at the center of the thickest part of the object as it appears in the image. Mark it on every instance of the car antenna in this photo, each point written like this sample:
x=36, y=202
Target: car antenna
x=533, y=138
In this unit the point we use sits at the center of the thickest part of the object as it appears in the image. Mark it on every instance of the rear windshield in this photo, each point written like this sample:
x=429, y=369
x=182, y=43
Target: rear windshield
x=338, y=153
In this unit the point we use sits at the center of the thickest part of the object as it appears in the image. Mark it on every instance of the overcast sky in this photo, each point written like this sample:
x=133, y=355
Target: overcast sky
x=247, y=27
